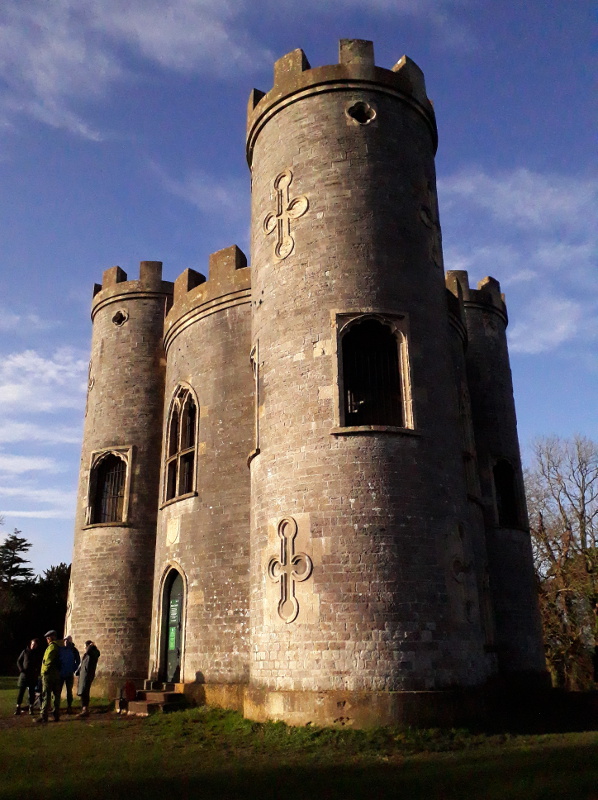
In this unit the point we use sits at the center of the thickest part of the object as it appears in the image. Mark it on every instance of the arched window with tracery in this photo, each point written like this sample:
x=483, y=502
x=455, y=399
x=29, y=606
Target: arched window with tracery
x=109, y=480
x=371, y=374
x=181, y=437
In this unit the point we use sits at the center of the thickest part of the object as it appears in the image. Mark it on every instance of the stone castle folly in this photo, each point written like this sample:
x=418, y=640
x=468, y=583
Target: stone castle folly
x=301, y=491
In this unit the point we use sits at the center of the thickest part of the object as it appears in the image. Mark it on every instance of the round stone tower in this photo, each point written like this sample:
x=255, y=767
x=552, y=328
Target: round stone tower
x=364, y=602
x=518, y=629
x=203, y=522
x=110, y=597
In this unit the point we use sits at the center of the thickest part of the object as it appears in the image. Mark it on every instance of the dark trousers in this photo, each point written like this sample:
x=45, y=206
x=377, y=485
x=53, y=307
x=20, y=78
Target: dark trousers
x=51, y=686
x=85, y=697
x=26, y=682
x=68, y=682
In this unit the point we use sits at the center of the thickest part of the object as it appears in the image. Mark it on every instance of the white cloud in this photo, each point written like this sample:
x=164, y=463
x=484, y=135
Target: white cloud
x=553, y=204
x=30, y=382
x=55, y=53
x=536, y=232
x=17, y=465
x=548, y=323
x=216, y=196
x=12, y=431
x=23, y=323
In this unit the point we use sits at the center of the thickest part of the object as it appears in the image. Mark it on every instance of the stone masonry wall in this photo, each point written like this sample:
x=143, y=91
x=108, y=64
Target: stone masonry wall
x=206, y=537
x=110, y=594
x=375, y=511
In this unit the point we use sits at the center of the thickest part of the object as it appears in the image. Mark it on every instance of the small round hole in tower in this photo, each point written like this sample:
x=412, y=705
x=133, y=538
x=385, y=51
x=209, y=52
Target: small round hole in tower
x=361, y=112
x=120, y=318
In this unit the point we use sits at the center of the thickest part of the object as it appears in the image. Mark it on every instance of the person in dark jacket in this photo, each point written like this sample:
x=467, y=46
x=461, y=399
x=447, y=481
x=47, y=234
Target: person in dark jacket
x=29, y=664
x=69, y=662
x=87, y=672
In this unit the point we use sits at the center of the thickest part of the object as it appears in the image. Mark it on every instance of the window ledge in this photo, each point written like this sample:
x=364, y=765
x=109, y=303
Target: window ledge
x=177, y=498
x=357, y=429
x=107, y=525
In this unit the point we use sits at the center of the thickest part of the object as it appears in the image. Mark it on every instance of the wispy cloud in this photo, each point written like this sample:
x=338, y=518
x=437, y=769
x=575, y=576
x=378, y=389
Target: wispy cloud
x=30, y=382
x=55, y=503
x=538, y=232
x=554, y=204
x=12, y=432
x=54, y=54
x=211, y=195
x=548, y=323
x=18, y=465
x=14, y=323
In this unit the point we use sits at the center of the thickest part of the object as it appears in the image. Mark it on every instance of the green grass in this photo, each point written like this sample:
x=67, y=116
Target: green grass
x=201, y=753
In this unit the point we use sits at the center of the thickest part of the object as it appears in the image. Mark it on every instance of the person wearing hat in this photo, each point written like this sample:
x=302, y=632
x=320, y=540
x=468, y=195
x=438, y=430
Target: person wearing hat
x=51, y=683
x=87, y=672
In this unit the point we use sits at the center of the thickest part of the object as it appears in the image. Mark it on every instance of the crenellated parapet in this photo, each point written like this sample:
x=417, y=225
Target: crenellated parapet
x=486, y=297
x=115, y=286
x=294, y=80
x=229, y=285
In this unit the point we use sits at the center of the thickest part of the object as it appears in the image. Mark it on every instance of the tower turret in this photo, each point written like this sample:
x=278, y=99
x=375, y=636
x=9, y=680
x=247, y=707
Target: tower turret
x=111, y=584
x=361, y=573
x=511, y=574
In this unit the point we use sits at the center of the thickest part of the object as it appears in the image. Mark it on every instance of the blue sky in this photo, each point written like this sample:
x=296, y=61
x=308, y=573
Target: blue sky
x=122, y=129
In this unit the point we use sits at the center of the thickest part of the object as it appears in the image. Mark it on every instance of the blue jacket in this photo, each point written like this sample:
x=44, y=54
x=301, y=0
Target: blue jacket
x=69, y=660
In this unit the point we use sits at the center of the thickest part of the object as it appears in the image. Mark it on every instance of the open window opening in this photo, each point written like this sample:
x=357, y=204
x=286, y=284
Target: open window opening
x=507, y=506
x=108, y=488
x=371, y=375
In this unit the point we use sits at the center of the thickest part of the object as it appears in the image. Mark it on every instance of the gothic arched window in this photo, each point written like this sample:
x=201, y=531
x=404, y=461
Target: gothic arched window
x=180, y=445
x=109, y=480
x=372, y=380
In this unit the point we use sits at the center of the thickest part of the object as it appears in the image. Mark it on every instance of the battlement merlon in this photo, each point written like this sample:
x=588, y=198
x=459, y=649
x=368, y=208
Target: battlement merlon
x=487, y=296
x=294, y=79
x=228, y=284
x=115, y=286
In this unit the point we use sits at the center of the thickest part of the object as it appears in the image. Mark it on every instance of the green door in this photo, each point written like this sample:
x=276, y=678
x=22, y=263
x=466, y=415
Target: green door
x=174, y=631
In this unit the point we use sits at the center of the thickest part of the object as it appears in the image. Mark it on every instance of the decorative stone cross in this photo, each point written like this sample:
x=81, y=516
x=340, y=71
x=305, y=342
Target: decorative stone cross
x=290, y=569
x=286, y=210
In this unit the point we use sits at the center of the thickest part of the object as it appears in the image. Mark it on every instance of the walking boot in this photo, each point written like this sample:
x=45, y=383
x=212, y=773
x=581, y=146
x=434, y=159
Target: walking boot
x=69, y=710
x=56, y=716
x=17, y=711
x=84, y=712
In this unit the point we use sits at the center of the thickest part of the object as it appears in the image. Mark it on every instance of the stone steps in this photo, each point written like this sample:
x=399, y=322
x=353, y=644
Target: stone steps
x=155, y=698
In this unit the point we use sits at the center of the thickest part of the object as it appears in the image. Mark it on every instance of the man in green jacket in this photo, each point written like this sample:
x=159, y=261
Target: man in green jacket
x=51, y=683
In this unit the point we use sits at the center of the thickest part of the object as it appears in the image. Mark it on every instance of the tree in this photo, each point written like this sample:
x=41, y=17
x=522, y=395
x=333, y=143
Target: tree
x=562, y=497
x=12, y=563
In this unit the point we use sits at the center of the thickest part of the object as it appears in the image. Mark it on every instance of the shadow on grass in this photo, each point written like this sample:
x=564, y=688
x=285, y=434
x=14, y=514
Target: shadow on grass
x=537, y=774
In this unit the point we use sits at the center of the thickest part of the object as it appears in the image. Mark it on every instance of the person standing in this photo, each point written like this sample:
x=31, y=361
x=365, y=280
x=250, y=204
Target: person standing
x=51, y=683
x=29, y=665
x=87, y=672
x=69, y=662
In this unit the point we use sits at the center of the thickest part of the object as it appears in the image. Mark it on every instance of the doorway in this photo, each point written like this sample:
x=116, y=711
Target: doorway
x=173, y=628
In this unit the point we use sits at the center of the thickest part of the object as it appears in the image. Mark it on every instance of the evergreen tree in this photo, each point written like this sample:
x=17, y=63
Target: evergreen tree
x=13, y=569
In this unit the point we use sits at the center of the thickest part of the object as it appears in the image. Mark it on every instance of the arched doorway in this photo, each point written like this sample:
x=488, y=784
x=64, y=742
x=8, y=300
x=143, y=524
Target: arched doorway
x=172, y=638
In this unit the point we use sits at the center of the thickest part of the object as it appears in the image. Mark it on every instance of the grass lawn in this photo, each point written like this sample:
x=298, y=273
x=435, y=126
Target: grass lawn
x=202, y=753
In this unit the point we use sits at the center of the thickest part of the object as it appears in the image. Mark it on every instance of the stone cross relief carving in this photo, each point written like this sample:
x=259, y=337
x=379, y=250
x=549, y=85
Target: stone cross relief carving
x=287, y=209
x=289, y=569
